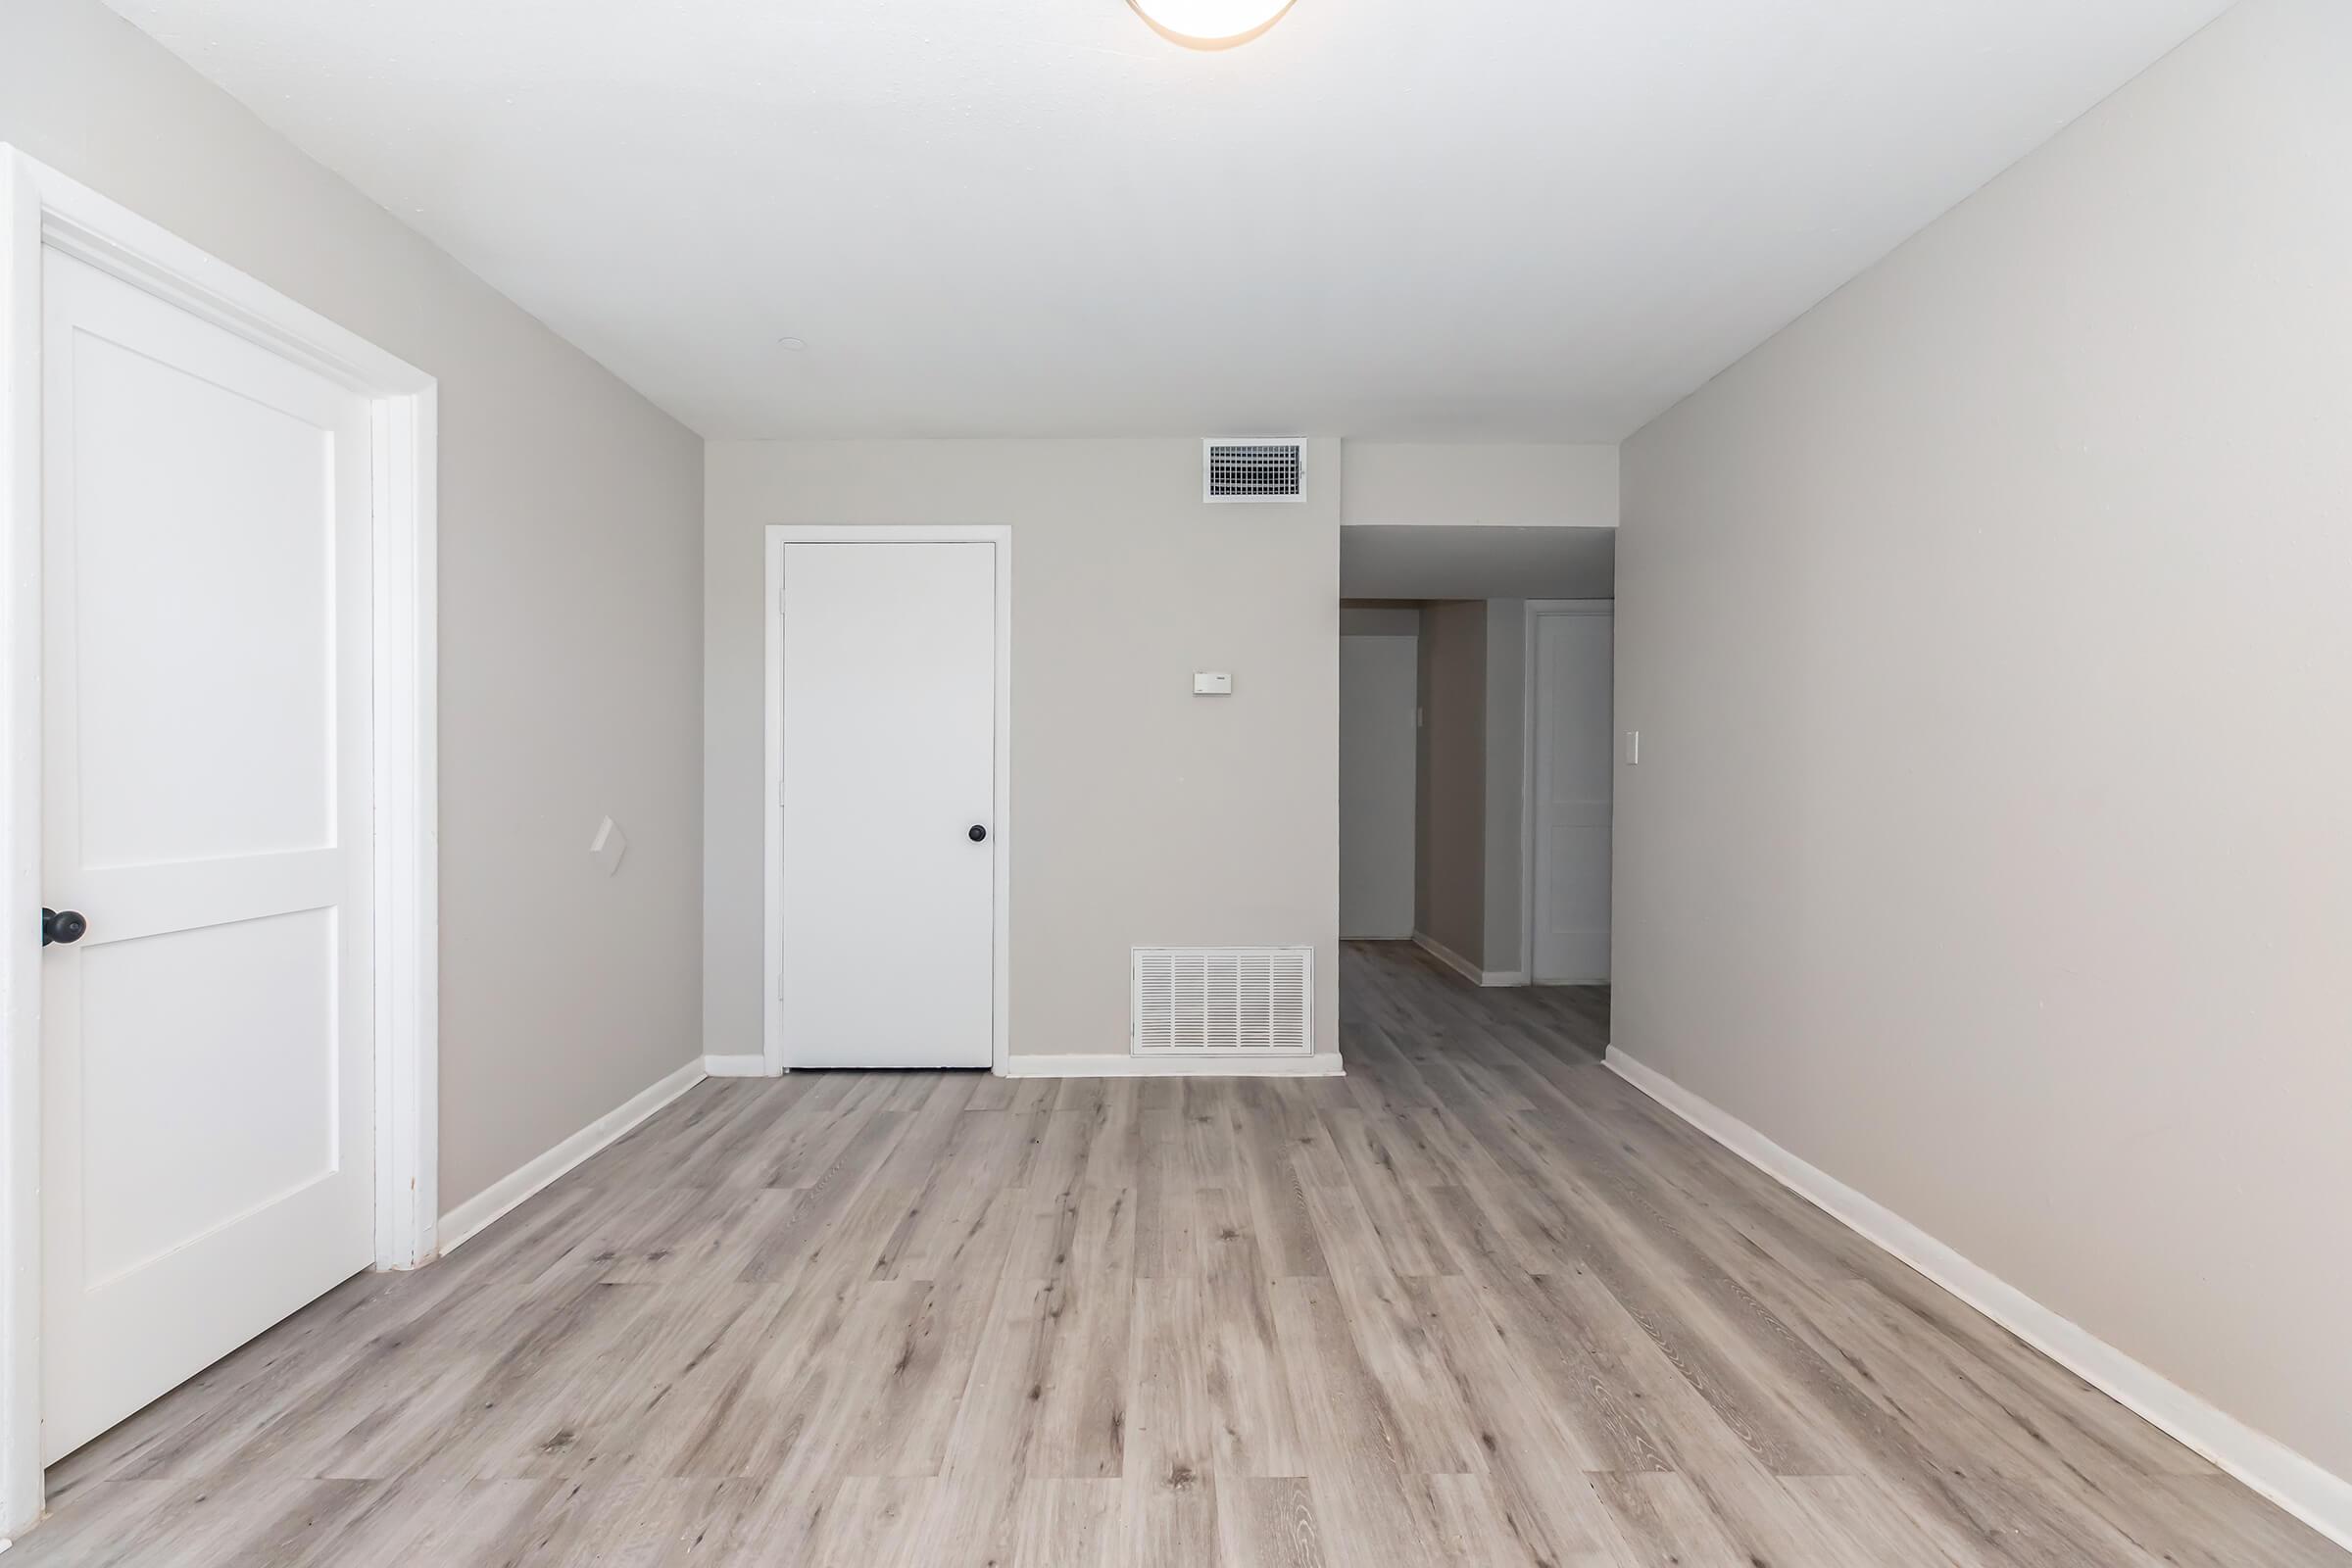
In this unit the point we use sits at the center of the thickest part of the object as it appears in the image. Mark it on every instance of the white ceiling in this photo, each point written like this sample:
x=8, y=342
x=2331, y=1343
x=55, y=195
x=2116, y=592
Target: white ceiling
x=1475, y=219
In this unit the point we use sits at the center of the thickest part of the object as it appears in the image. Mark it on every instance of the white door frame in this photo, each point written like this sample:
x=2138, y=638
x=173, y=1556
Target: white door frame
x=772, y=809
x=40, y=207
x=1535, y=610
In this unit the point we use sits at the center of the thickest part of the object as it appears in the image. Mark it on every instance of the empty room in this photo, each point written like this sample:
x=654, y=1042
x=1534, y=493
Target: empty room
x=1228, y=783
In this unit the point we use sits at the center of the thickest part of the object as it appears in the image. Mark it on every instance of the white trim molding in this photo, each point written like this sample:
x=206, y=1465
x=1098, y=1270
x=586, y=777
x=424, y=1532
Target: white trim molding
x=1326, y=1064
x=735, y=1067
x=509, y=1192
x=19, y=841
x=2318, y=1498
x=408, y=832
x=773, y=1052
x=41, y=208
x=1464, y=967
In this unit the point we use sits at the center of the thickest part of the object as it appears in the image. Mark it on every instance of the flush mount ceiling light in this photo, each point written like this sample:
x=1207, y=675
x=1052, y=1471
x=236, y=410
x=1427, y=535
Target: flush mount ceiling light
x=1210, y=24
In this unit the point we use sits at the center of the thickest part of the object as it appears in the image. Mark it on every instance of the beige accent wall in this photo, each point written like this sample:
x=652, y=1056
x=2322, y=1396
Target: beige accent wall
x=1469, y=862
x=1380, y=742
x=1505, y=857
x=1140, y=815
x=1450, y=816
x=570, y=593
x=1987, y=634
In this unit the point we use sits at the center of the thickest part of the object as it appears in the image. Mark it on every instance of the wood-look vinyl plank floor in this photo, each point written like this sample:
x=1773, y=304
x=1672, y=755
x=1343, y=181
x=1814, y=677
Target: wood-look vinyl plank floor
x=1477, y=1303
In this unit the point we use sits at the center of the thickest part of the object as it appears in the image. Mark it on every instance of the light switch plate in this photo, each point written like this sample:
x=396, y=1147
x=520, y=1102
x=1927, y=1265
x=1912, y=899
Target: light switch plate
x=608, y=846
x=1211, y=683
x=1632, y=747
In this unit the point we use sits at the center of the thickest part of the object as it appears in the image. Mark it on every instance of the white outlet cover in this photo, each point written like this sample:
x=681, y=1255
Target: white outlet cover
x=608, y=846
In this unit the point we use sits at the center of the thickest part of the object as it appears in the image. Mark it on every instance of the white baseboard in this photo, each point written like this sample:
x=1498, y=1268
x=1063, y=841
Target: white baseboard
x=1107, y=1066
x=470, y=1219
x=2318, y=1498
x=1464, y=967
x=735, y=1067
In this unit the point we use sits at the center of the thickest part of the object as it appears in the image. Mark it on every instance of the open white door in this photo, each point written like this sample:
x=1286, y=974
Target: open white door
x=1571, y=672
x=887, y=873
x=207, y=1142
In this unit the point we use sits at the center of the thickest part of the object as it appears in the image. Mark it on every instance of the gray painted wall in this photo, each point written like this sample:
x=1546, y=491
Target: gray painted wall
x=1452, y=561
x=570, y=593
x=1988, y=635
x=1380, y=620
x=1480, y=484
x=1140, y=814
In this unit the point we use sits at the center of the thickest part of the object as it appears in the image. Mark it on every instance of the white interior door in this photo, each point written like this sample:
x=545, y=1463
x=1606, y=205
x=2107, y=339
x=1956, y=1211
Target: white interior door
x=1573, y=673
x=888, y=794
x=207, y=1066
x=1379, y=693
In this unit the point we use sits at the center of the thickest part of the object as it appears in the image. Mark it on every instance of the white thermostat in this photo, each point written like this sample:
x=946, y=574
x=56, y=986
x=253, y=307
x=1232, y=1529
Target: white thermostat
x=1211, y=683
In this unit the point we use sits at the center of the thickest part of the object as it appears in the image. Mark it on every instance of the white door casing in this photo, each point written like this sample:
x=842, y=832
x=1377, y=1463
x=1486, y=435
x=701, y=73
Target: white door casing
x=1571, y=765
x=207, y=835
x=887, y=947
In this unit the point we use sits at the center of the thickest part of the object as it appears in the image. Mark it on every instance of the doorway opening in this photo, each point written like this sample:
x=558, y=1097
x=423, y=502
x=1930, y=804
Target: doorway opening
x=1477, y=750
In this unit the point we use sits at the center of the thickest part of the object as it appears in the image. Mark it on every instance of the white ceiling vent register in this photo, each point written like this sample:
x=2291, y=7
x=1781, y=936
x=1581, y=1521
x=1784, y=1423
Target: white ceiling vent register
x=1254, y=470
x=1224, y=1002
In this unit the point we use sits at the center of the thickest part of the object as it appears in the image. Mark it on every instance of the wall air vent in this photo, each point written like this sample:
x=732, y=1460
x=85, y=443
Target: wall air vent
x=1224, y=1002
x=1254, y=470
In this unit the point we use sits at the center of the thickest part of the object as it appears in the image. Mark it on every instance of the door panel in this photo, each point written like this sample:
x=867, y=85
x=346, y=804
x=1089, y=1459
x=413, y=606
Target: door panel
x=145, y=1110
x=889, y=738
x=1573, y=672
x=170, y=772
x=207, y=1048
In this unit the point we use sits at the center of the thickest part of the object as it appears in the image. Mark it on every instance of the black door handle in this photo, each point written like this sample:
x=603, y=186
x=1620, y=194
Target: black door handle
x=978, y=833
x=61, y=925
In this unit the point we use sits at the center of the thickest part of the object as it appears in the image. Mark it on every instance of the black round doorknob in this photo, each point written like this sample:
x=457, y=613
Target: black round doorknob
x=61, y=925
x=978, y=833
